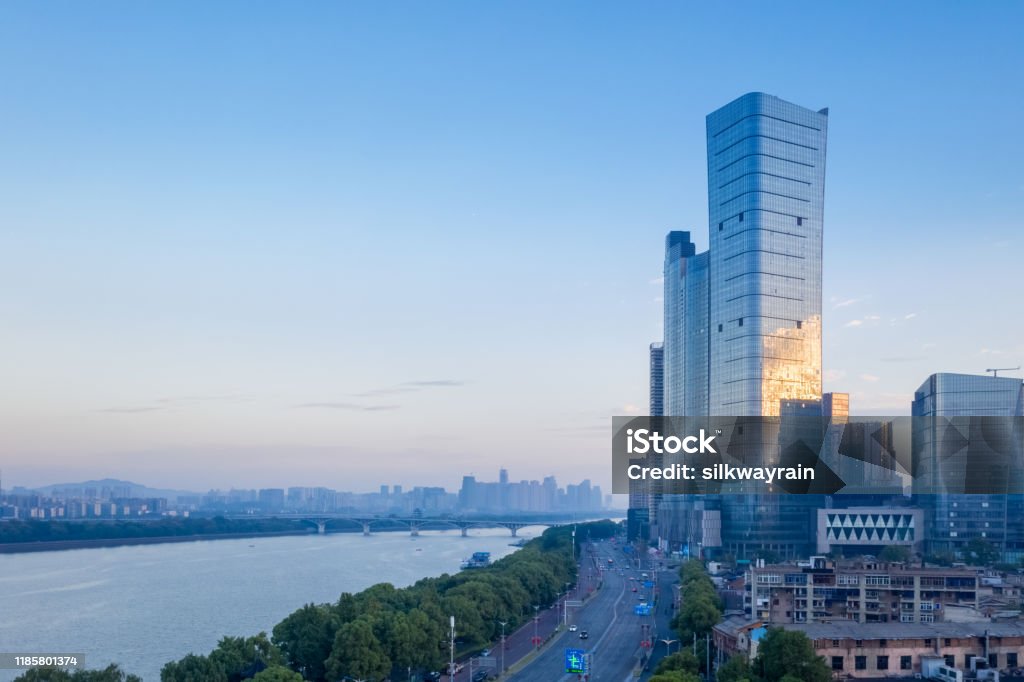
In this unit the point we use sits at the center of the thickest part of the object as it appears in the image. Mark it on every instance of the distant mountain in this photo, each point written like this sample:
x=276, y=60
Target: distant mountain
x=137, y=489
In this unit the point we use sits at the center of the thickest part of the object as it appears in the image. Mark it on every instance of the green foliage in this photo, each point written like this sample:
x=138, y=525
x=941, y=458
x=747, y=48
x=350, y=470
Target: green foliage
x=358, y=653
x=783, y=653
x=940, y=558
x=981, y=552
x=111, y=673
x=192, y=668
x=895, y=553
x=277, y=673
x=675, y=676
x=305, y=639
x=736, y=669
x=681, y=660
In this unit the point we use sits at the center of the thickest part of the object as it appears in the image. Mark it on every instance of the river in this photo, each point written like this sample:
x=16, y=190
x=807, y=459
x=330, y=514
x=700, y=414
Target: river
x=141, y=606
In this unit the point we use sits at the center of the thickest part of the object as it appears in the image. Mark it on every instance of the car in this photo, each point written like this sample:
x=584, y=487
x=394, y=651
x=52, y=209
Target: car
x=481, y=675
x=485, y=653
x=573, y=628
x=584, y=634
x=634, y=589
x=432, y=677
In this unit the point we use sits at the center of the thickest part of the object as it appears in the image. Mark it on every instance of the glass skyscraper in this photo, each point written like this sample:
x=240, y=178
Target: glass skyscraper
x=953, y=519
x=766, y=193
x=743, y=319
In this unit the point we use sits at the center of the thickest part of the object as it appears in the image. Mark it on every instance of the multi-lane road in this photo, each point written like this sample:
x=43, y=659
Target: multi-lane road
x=615, y=633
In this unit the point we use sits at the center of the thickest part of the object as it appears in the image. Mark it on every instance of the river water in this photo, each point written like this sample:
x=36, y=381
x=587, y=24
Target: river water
x=142, y=606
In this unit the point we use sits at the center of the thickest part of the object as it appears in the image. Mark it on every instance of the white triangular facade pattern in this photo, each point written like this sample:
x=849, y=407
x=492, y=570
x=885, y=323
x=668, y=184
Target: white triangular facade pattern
x=870, y=529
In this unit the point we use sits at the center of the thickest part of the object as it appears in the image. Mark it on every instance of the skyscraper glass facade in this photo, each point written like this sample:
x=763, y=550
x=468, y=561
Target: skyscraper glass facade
x=657, y=381
x=953, y=520
x=766, y=189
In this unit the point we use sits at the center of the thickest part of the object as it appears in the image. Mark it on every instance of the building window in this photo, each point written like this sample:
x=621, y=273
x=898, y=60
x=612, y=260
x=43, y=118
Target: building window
x=860, y=662
x=859, y=643
x=882, y=643
x=947, y=641
x=741, y=321
x=741, y=217
x=837, y=662
x=719, y=227
x=906, y=663
x=799, y=221
x=719, y=327
x=882, y=663
x=1011, y=659
x=835, y=643
x=799, y=324
x=950, y=660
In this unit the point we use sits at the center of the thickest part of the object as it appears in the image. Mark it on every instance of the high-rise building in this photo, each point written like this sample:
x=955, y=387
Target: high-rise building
x=657, y=382
x=945, y=468
x=766, y=195
x=743, y=319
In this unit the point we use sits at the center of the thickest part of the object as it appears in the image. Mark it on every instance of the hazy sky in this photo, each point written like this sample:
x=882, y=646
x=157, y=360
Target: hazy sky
x=343, y=244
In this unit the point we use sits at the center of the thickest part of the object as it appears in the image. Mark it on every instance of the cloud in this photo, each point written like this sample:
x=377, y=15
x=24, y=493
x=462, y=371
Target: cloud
x=129, y=410
x=657, y=280
x=909, y=316
x=869, y=378
x=409, y=387
x=834, y=374
x=354, y=407
x=631, y=409
x=844, y=302
x=854, y=323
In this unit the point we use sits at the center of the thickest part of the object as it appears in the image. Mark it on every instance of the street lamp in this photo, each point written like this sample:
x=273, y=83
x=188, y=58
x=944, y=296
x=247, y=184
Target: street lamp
x=451, y=657
x=502, y=623
x=536, y=620
x=668, y=645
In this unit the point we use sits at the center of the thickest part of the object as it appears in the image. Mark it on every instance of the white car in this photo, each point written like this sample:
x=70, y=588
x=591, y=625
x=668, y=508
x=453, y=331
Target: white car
x=572, y=628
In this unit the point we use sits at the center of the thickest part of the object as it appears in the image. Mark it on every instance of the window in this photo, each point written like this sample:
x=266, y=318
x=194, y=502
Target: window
x=720, y=227
x=719, y=327
x=741, y=321
x=1011, y=659
x=882, y=643
x=741, y=217
x=946, y=641
x=799, y=221
x=799, y=324
x=859, y=643
x=949, y=659
x=860, y=662
x=837, y=662
x=906, y=663
x=882, y=663
x=835, y=643
x=928, y=642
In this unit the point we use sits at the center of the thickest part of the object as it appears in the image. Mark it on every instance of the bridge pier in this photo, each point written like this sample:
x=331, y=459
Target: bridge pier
x=414, y=531
x=515, y=531
x=465, y=531
x=321, y=527
x=366, y=528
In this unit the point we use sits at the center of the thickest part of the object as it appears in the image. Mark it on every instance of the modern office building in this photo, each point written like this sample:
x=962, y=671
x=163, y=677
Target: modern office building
x=949, y=475
x=657, y=382
x=743, y=318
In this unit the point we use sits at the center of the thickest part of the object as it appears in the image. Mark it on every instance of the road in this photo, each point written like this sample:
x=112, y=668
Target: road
x=615, y=631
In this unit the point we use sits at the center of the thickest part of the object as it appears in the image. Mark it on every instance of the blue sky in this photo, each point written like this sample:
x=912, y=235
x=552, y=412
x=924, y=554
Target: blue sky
x=267, y=243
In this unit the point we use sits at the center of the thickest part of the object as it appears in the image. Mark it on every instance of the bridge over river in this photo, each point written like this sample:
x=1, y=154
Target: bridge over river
x=413, y=524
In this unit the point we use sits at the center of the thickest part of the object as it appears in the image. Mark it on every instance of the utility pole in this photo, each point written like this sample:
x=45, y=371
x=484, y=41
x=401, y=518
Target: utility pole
x=451, y=657
x=707, y=654
x=502, y=624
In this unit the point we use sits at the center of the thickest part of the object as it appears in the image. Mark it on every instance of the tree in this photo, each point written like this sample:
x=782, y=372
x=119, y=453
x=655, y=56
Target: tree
x=675, y=676
x=305, y=639
x=358, y=653
x=784, y=652
x=736, y=669
x=193, y=668
x=894, y=553
x=277, y=673
x=111, y=673
x=681, y=660
x=981, y=552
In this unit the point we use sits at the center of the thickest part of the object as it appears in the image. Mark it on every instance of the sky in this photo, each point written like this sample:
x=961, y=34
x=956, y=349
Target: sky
x=251, y=244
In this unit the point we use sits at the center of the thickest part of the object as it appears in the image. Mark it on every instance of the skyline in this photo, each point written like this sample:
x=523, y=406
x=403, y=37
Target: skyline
x=316, y=241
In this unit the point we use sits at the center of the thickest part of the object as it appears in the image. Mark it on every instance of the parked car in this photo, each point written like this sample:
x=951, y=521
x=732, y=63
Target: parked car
x=432, y=677
x=481, y=675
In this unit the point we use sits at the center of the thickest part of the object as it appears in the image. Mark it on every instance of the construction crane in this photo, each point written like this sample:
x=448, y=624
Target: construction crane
x=996, y=370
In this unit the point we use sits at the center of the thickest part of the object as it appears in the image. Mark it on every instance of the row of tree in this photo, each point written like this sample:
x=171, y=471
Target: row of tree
x=384, y=631
x=17, y=530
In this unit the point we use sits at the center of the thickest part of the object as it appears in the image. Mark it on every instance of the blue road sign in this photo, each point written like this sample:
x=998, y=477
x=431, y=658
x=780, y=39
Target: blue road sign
x=574, y=661
x=648, y=584
x=642, y=610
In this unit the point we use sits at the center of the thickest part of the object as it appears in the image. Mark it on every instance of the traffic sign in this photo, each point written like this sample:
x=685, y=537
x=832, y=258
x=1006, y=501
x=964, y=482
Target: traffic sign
x=574, y=661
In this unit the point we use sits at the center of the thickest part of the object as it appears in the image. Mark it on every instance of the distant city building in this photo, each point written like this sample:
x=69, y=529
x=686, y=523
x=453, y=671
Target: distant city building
x=954, y=518
x=657, y=380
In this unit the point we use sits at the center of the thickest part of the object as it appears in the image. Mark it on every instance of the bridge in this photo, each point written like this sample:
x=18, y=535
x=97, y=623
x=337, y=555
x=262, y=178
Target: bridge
x=413, y=524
